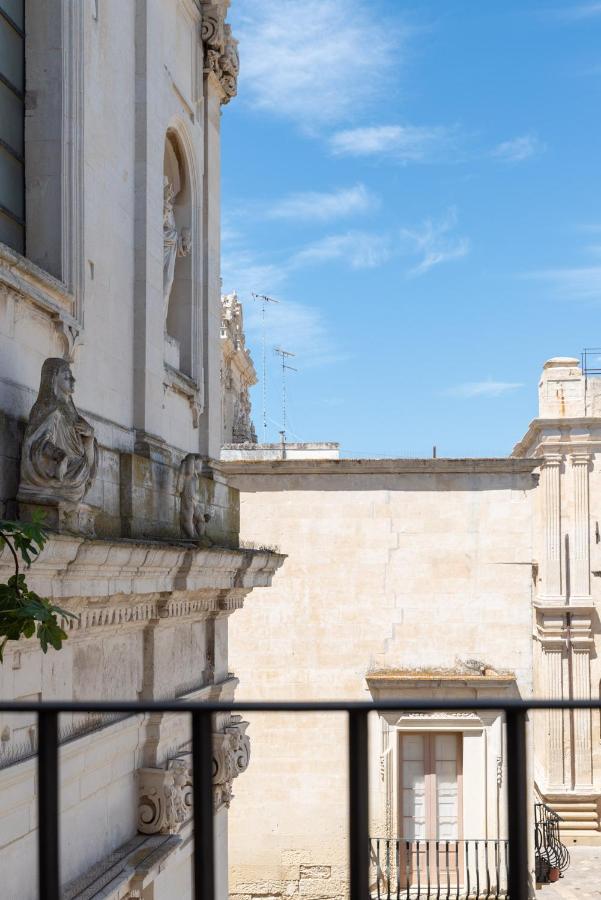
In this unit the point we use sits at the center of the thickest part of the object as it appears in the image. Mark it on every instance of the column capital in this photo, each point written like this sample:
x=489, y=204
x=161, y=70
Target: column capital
x=551, y=460
x=580, y=458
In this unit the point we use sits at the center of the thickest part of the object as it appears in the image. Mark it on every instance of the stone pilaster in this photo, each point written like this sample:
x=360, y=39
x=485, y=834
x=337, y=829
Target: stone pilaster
x=552, y=636
x=580, y=551
x=581, y=644
x=550, y=477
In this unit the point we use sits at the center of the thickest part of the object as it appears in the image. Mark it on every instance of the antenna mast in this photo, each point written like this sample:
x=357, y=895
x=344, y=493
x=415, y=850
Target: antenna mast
x=285, y=354
x=264, y=300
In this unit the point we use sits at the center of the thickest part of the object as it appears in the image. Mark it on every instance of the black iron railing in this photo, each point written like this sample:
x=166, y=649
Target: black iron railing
x=552, y=857
x=441, y=869
x=518, y=875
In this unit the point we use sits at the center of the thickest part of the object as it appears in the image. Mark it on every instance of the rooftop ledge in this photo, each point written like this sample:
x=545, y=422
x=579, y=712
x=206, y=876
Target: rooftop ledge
x=74, y=566
x=363, y=466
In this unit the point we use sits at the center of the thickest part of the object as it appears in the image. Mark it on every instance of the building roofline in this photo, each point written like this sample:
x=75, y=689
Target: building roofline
x=438, y=466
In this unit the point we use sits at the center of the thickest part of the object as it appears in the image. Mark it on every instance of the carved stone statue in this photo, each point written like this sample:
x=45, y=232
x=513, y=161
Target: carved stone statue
x=243, y=430
x=193, y=516
x=174, y=244
x=59, y=456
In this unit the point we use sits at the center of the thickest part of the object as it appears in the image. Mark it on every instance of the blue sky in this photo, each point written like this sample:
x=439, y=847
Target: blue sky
x=419, y=185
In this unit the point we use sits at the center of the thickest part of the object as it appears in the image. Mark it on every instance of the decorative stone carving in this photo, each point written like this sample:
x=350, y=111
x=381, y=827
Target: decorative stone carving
x=165, y=795
x=237, y=374
x=174, y=244
x=221, y=48
x=193, y=515
x=165, y=798
x=231, y=756
x=60, y=453
x=244, y=430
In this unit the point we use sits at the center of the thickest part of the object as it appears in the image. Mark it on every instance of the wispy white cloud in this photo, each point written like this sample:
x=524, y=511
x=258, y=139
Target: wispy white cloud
x=300, y=328
x=580, y=12
x=488, y=388
x=360, y=250
x=315, y=206
x=518, y=149
x=406, y=143
x=314, y=60
x=578, y=283
x=435, y=243
x=244, y=271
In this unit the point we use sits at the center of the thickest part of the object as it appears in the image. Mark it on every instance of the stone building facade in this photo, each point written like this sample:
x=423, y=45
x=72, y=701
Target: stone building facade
x=463, y=579
x=109, y=272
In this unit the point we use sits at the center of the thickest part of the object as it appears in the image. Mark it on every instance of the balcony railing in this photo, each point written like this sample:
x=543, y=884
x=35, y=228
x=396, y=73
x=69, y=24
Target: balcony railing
x=517, y=860
x=552, y=857
x=441, y=869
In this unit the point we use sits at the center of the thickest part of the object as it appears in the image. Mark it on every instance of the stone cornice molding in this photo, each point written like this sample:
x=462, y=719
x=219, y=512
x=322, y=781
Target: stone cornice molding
x=538, y=436
x=390, y=685
x=78, y=567
x=507, y=466
x=554, y=630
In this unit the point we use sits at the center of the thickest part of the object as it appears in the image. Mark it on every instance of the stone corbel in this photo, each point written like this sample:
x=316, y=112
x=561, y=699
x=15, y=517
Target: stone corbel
x=220, y=48
x=231, y=756
x=71, y=333
x=165, y=795
x=165, y=798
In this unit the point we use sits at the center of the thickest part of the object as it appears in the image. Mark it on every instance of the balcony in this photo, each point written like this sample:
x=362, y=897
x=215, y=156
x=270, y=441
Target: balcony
x=441, y=869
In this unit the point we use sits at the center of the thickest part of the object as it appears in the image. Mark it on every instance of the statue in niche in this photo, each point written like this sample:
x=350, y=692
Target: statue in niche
x=193, y=516
x=60, y=452
x=174, y=243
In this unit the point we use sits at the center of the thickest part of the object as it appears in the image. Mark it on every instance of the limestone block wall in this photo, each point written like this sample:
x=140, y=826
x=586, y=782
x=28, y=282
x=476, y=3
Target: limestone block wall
x=411, y=566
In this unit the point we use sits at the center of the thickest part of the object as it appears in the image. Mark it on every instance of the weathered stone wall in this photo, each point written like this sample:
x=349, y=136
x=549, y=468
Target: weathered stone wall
x=392, y=565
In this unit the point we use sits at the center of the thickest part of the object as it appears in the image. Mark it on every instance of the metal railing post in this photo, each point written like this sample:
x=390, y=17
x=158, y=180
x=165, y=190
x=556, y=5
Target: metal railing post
x=358, y=805
x=517, y=804
x=48, y=787
x=202, y=788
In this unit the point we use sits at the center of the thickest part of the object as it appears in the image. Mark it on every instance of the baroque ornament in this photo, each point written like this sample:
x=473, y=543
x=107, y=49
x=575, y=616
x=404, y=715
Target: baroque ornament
x=220, y=48
x=244, y=429
x=60, y=453
x=165, y=795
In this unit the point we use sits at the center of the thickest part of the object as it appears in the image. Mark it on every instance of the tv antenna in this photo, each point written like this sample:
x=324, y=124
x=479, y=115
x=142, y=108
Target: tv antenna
x=285, y=355
x=264, y=300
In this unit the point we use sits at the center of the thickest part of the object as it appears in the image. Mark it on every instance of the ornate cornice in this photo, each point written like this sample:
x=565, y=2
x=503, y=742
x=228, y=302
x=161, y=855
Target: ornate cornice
x=220, y=47
x=128, y=572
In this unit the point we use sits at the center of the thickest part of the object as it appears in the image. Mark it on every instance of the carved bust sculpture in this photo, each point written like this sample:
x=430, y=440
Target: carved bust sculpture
x=193, y=516
x=60, y=452
x=174, y=244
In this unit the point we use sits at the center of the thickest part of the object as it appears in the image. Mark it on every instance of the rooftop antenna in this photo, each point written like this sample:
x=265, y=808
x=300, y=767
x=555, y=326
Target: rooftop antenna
x=285, y=354
x=264, y=300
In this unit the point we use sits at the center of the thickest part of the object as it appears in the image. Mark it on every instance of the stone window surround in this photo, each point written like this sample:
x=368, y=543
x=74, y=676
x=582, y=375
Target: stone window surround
x=481, y=736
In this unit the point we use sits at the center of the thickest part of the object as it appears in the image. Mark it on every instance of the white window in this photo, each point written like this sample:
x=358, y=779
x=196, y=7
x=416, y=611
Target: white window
x=430, y=783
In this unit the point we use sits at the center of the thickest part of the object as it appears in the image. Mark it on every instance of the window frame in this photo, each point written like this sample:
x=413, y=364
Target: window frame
x=430, y=778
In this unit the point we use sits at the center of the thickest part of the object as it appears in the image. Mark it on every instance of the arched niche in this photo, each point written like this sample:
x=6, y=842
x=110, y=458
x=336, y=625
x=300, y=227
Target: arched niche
x=178, y=258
